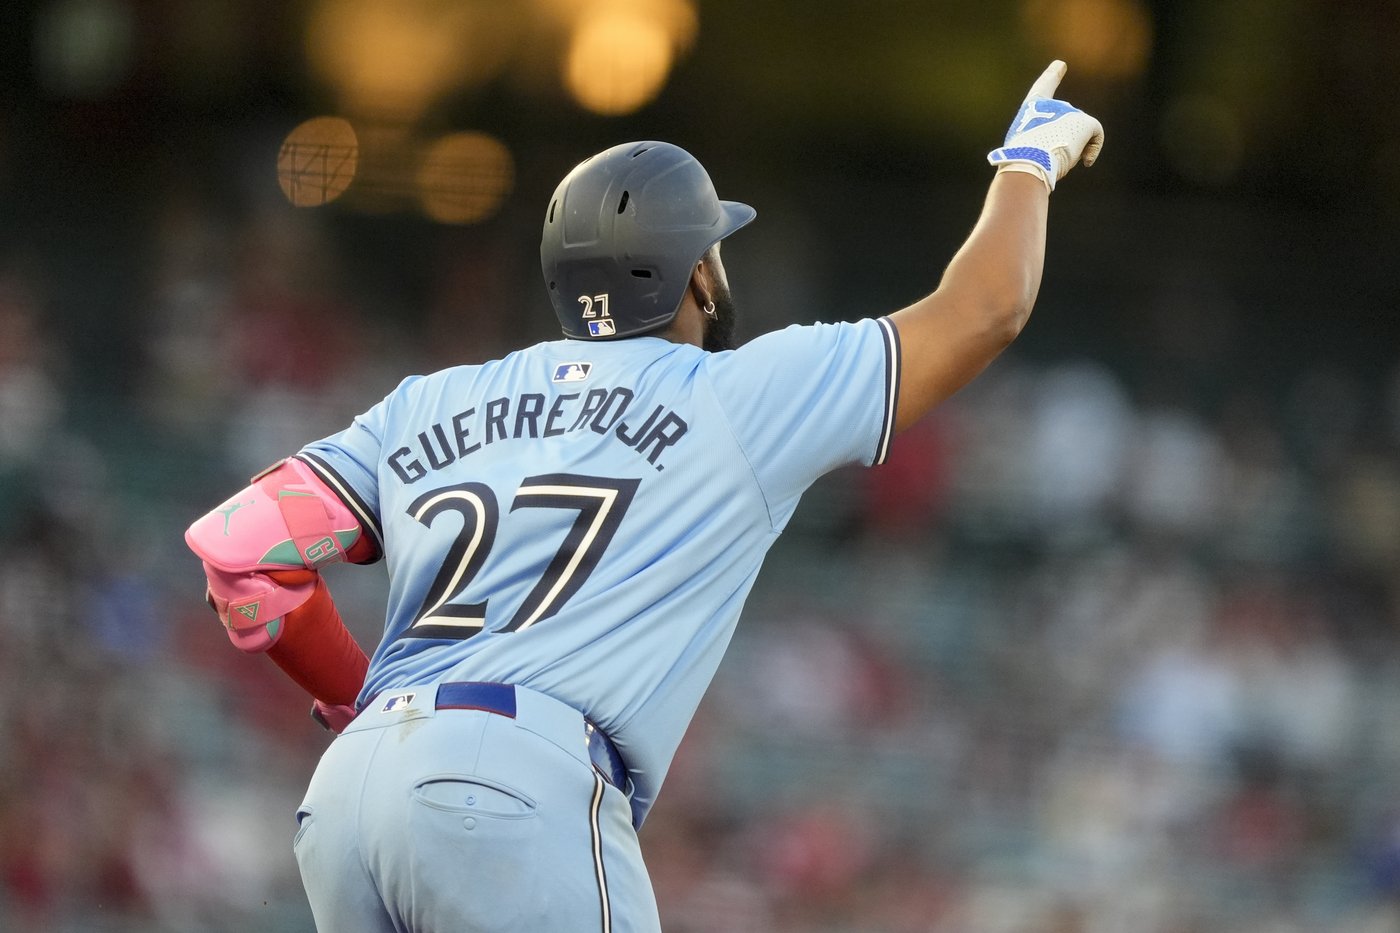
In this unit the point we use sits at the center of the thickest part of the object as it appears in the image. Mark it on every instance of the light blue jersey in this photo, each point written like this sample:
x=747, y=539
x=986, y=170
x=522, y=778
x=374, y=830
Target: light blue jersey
x=586, y=519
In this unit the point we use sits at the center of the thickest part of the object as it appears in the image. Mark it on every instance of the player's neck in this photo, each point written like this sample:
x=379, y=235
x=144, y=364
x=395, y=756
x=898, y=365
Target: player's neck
x=688, y=326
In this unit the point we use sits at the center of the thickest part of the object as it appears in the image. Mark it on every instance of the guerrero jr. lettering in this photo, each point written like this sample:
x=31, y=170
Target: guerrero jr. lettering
x=599, y=410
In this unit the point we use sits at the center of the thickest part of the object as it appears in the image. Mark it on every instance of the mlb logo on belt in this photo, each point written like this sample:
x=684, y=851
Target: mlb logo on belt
x=603, y=328
x=397, y=702
x=572, y=372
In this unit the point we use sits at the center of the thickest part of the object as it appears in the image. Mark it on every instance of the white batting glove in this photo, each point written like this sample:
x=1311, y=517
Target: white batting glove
x=1048, y=137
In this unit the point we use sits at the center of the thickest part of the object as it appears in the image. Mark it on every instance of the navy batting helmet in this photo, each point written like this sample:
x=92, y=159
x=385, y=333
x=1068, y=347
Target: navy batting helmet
x=623, y=232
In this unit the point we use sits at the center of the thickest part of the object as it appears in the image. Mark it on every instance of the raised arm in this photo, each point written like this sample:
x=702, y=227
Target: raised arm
x=987, y=292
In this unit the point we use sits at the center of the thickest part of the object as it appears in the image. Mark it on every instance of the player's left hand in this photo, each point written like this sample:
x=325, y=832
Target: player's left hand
x=1048, y=137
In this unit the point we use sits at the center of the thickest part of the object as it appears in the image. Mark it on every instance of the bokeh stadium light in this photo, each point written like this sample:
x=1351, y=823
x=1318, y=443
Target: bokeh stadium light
x=317, y=161
x=391, y=59
x=389, y=62
x=464, y=177
x=459, y=178
x=1103, y=38
x=621, y=51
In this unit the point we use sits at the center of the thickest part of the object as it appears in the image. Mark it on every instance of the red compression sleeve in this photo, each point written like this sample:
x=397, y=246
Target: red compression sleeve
x=317, y=651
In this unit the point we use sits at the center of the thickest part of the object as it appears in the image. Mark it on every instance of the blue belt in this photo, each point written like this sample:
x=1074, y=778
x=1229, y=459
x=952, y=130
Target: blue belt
x=500, y=699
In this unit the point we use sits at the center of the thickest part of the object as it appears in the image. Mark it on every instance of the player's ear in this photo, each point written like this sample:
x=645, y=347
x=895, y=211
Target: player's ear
x=700, y=284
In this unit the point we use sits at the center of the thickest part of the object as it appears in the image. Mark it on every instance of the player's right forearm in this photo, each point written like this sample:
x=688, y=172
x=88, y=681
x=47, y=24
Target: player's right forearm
x=988, y=290
x=982, y=302
x=998, y=268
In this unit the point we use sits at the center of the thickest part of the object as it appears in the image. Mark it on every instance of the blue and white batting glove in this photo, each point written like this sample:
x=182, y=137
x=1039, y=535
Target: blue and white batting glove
x=1048, y=137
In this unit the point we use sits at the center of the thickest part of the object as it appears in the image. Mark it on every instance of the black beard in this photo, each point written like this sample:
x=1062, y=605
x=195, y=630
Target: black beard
x=719, y=330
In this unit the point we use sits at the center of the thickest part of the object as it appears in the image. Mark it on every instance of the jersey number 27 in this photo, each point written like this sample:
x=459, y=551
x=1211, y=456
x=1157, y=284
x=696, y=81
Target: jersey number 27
x=600, y=504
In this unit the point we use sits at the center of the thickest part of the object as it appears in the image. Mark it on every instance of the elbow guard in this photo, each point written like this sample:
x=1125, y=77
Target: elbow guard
x=286, y=519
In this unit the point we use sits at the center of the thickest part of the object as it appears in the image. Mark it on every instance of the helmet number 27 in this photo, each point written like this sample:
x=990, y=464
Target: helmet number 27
x=594, y=305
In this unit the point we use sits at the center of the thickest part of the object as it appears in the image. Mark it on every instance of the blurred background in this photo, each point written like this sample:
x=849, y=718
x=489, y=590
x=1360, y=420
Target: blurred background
x=1109, y=645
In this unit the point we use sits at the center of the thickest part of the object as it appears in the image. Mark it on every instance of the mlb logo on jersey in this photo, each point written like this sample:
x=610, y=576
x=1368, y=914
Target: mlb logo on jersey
x=603, y=328
x=572, y=372
x=398, y=701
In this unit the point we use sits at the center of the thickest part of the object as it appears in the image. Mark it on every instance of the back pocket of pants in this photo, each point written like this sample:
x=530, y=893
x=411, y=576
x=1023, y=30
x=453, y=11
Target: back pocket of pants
x=467, y=795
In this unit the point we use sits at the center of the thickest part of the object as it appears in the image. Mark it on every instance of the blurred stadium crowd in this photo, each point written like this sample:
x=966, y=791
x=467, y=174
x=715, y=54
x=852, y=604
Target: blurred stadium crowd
x=1075, y=661
x=1109, y=645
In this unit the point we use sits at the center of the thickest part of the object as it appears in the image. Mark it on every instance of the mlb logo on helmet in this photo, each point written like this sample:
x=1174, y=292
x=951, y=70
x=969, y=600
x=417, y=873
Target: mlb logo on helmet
x=603, y=328
x=572, y=372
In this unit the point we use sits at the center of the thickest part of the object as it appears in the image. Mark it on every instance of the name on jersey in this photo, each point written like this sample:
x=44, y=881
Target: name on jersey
x=600, y=410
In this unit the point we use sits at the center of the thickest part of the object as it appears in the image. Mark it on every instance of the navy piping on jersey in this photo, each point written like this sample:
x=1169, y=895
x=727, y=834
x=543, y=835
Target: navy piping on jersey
x=599, y=871
x=347, y=495
x=892, y=361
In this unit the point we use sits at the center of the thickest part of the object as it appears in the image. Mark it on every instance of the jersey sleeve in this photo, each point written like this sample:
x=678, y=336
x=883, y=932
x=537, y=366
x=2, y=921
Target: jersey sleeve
x=808, y=399
x=348, y=462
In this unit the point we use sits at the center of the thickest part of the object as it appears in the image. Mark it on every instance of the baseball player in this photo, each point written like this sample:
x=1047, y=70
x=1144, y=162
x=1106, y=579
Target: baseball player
x=571, y=532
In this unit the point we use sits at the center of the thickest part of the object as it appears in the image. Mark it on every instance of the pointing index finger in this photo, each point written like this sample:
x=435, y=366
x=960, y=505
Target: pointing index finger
x=1049, y=79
